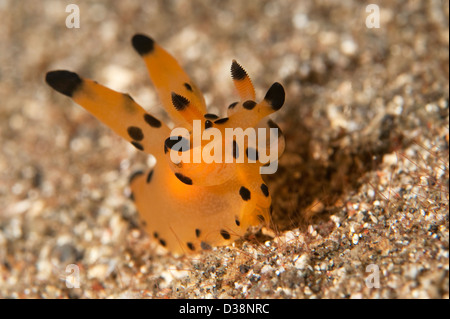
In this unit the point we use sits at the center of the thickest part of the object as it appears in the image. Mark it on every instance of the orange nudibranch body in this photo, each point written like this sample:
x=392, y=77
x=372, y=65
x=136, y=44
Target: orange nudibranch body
x=187, y=206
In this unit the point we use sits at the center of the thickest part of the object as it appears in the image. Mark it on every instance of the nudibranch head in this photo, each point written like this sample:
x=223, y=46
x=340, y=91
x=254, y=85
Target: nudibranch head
x=206, y=188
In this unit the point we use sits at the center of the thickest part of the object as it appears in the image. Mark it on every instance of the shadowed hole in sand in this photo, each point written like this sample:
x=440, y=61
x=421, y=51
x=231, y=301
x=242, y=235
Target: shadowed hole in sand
x=317, y=172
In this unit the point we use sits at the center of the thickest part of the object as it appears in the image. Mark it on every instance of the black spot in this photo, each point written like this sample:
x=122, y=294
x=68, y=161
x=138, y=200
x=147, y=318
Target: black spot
x=237, y=71
x=162, y=242
x=235, y=149
x=232, y=105
x=138, y=145
x=272, y=124
x=188, y=86
x=265, y=190
x=205, y=246
x=143, y=44
x=134, y=175
x=245, y=193
x=135, y=133
x=210, y=116
x=155, y=235
x=179, y=102
x=225, y=234
x=166, y=149
x=63, y=81
x=181, y=143
x=132, y=196
x=261, y=218
x=184, y=179
x=254, y=156
x=197, y=232
x=238, y=223
x=152, y=121
x=149, y=176
x=190, y=246
x=249, y=105
x=221, y=121
x=208, y=124
x=275, y=96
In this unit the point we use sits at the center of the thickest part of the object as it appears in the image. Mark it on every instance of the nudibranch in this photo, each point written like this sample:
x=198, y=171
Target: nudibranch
x=189, y=205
